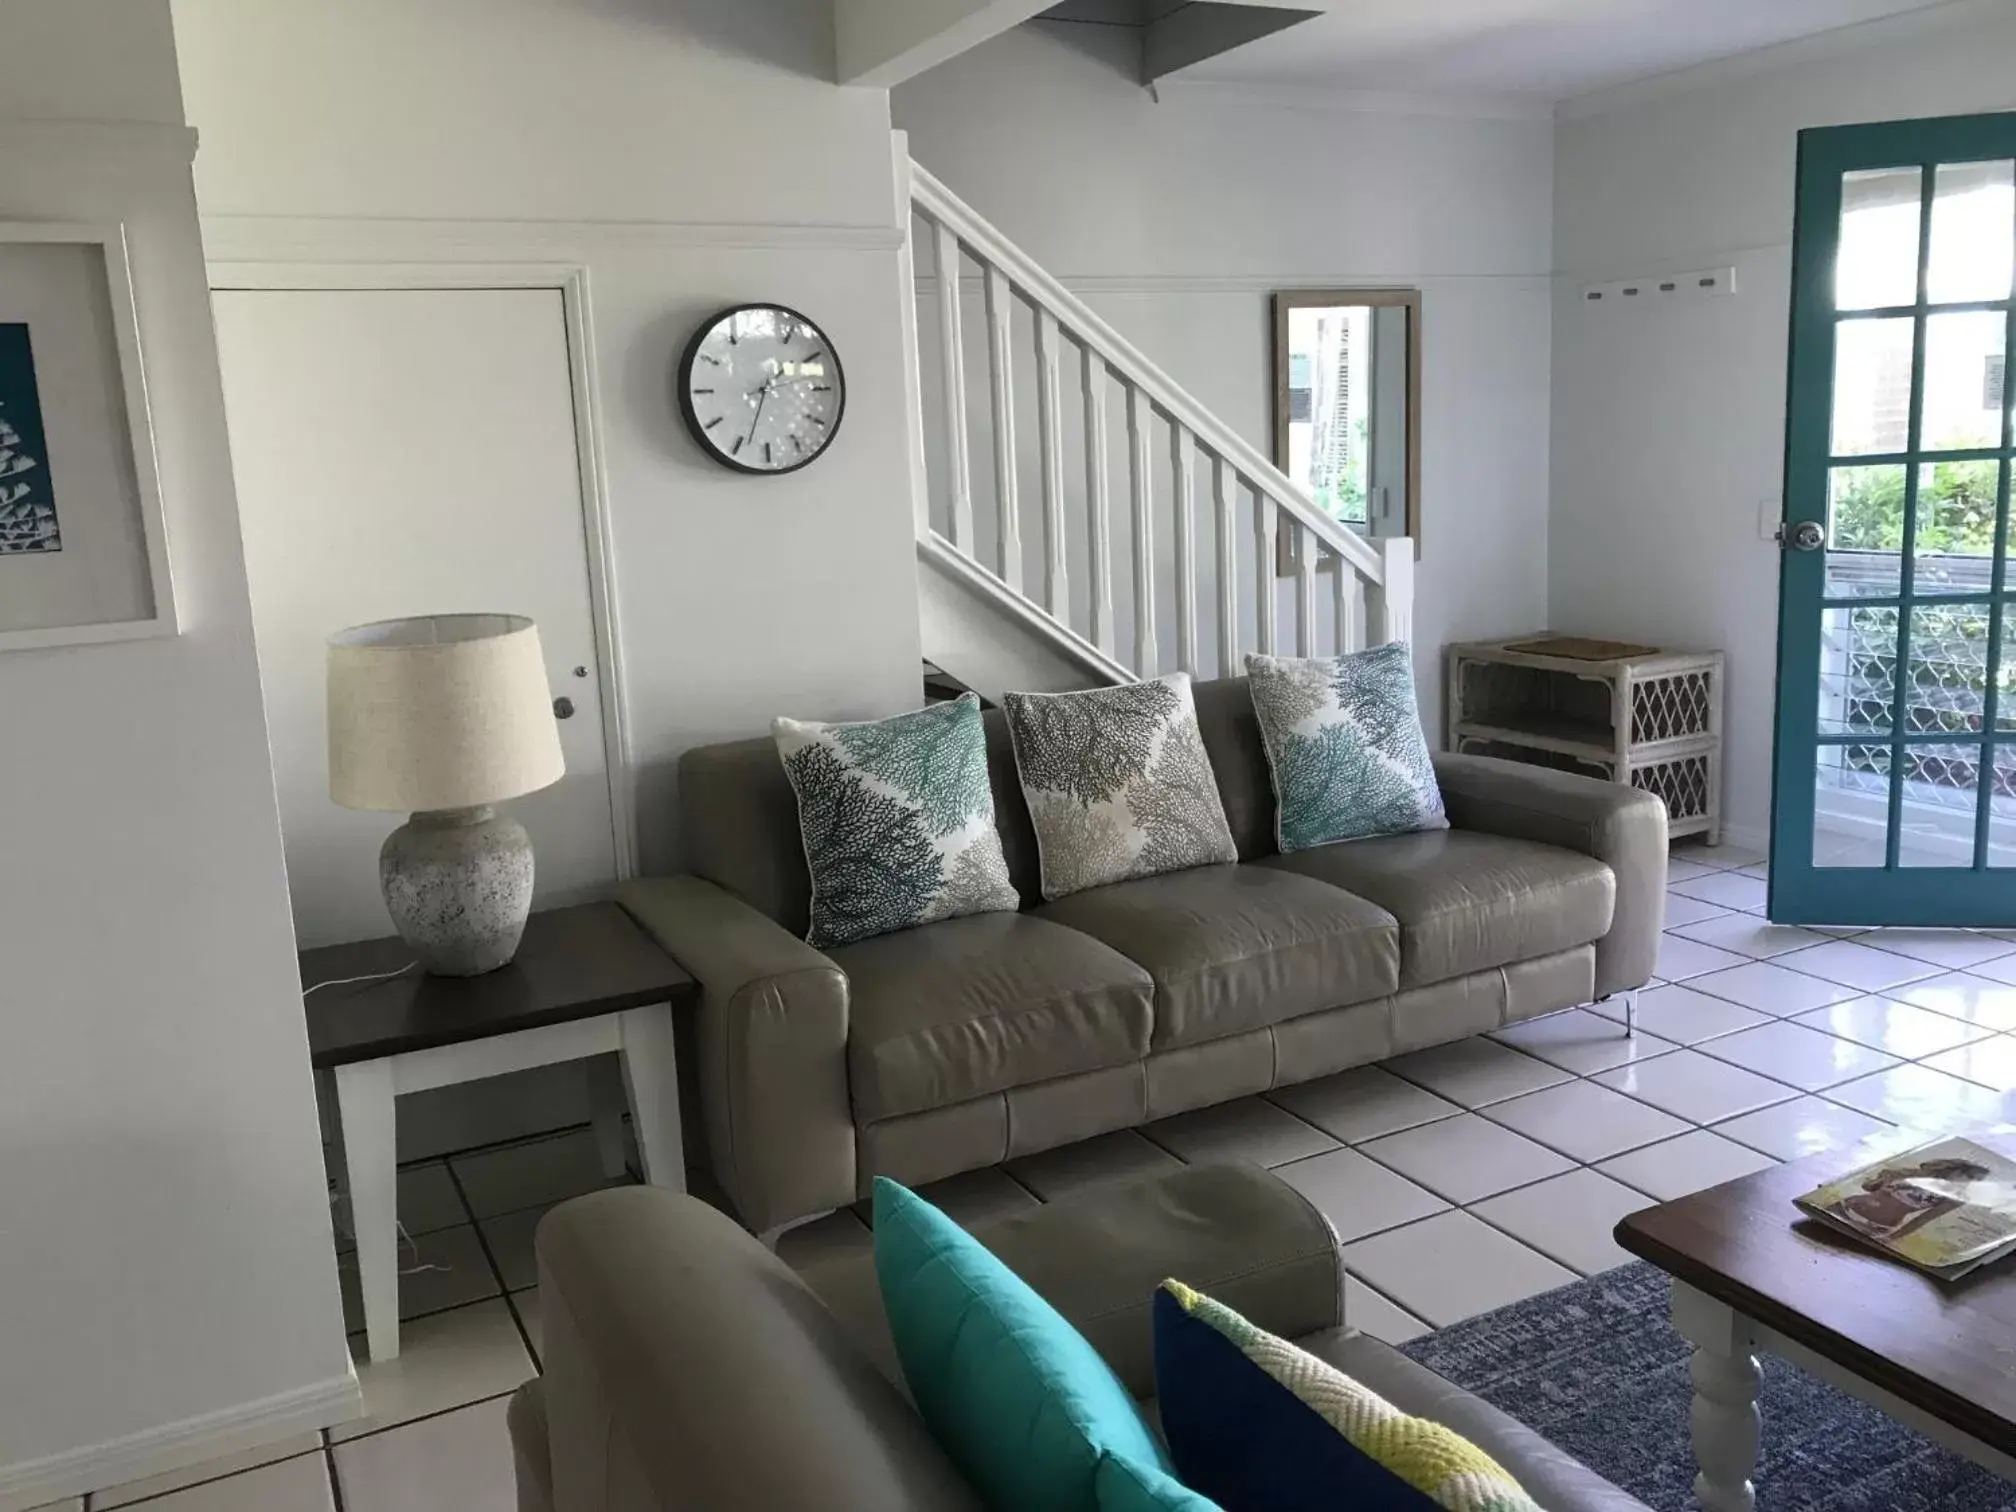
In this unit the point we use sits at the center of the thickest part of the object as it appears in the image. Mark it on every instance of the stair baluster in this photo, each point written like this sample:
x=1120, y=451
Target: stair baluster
x=1141, y=494
x=1001, y=386
x=1266, y=549
x=1183, y=494
x=1305, y=590
x=1050, y=442
x=1225, y=504
x=952, y=347
x=1099, y=510
x=1372, y=590
x=1350, y=606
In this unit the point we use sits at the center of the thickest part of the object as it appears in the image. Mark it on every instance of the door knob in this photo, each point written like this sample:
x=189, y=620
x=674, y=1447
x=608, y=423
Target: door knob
x=1807, y=535
x=563, y=708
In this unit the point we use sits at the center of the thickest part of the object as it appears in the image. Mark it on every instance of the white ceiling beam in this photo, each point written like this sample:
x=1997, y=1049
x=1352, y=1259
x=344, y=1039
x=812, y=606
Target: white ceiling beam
x=880, y=43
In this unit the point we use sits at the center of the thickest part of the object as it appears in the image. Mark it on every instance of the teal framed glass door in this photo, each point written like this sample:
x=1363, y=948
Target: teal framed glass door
x=1895, y=768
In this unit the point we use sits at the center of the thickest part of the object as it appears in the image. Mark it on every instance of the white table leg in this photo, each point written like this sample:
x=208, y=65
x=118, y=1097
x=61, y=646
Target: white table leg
x=364, y=1104
x=1726, y=1419
x=606, y=1095
x=651, y=1076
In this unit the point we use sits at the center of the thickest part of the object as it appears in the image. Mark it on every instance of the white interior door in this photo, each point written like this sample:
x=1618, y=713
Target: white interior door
x=400, y=452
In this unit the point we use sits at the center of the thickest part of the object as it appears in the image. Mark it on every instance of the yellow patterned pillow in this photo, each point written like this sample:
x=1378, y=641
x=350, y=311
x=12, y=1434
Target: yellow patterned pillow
x=1258, y=1425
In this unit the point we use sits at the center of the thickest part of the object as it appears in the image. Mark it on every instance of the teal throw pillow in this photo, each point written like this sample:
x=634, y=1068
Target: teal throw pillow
x=1023, y=1404
x=1127, y=1487
x=1345, y=745
x=897, y=818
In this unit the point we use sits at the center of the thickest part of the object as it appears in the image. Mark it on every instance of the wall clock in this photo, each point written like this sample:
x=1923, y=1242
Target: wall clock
x=761, y=389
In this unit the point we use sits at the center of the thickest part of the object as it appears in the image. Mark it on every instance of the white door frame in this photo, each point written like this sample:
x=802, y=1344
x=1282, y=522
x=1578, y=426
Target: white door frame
x=570, y=281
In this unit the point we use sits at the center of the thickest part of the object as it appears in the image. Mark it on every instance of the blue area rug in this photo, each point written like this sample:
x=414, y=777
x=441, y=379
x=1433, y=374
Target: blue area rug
x=1596, y=1368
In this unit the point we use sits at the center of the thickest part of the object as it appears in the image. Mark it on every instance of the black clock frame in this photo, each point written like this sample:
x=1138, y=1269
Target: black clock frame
x=692, y=418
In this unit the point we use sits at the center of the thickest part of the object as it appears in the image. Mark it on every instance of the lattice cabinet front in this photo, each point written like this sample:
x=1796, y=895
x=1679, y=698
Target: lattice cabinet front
x=1624, y=712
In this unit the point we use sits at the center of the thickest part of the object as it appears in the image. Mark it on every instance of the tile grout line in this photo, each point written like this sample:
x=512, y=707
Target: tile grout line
x=335, y=1481
x=419, y=1417
x=88, y=1502
x=1380, y=1293
x=523, y=1140
x=496, y=1273
x=1573, y=1270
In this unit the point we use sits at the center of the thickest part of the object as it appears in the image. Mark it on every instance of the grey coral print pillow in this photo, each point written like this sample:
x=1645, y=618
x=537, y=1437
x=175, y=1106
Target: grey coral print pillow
x=897, y=819
x=1118, y=782
x=1344, y=742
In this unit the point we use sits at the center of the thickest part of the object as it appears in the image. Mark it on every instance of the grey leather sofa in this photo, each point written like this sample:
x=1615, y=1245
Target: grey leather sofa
x=964, y=1043
x=687, y=1369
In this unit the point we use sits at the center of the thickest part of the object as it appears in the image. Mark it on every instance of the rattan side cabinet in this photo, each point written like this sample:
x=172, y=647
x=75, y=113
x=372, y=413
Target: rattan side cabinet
x=1629, y=713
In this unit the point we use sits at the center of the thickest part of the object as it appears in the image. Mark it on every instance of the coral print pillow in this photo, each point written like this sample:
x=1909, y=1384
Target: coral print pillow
x=897, y=819
x=1118, y=782
x=1344, y=742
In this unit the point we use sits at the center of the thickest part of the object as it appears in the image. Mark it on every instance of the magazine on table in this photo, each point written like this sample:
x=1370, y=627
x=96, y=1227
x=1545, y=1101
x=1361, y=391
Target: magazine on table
x=1947, y=1207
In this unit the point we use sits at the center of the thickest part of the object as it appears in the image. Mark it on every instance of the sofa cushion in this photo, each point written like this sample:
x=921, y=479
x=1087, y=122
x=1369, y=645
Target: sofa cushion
x=1233, y=948
x=1118, y=783
x=1261, y=1426
x=1017, y=1396
x=965, y=1007
x=898, y=820
x=1231, y=734
x=1553, y=1477
x=1345, y=747
x=1468, y=901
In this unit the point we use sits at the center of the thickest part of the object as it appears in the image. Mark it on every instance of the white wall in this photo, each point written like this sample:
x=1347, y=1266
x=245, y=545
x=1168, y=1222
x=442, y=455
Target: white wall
x=1669, y=424
x=688, y=154
x=167, y=1253
x=1176, y=220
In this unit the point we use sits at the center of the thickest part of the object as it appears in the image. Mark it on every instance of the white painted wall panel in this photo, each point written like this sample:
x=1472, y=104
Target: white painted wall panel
x=167, y=1254
x=1669, y=424
x=689, y=154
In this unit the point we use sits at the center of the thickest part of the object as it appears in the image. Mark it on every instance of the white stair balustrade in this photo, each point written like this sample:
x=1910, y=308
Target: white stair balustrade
x=1189, y=606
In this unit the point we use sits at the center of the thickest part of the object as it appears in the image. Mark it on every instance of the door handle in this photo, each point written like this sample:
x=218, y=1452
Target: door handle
x=563, y=708
x=1807, y=535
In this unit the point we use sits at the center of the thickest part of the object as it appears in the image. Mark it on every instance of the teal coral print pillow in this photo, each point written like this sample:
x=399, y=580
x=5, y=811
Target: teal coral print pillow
x=1118, y=782
x=1344, y=742
x=897, y=819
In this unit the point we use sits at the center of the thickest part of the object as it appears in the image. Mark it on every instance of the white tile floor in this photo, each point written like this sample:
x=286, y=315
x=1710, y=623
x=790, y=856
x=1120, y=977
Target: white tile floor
x=1460, y=1179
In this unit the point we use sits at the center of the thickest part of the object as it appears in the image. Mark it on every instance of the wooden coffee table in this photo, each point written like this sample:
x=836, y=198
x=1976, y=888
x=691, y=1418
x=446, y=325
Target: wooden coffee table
x=1751, y=1275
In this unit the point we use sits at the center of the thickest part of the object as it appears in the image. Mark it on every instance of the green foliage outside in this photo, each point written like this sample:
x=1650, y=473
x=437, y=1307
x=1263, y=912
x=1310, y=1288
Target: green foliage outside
x=1344, y=499
x=1956, y=509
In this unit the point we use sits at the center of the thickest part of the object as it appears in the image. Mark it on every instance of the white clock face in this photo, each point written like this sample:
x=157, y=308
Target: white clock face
x=761, y=389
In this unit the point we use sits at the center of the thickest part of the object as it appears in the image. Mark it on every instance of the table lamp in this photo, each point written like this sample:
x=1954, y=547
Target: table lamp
x=441, y=717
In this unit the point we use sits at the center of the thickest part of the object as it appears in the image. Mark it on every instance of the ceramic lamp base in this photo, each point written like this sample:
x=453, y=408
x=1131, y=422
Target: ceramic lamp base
x=458, y=884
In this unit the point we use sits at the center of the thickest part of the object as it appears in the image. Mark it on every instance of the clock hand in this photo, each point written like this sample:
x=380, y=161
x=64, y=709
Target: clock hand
x=758, y=416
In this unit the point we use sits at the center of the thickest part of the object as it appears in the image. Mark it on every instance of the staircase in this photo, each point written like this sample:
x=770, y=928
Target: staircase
x=1110, y=567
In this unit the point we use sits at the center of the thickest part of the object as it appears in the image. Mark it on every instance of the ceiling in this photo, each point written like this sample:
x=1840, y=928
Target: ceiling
x=1546, y=50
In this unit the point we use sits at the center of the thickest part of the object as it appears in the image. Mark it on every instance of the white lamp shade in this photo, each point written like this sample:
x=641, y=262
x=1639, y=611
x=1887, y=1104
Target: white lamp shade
x=446, y=711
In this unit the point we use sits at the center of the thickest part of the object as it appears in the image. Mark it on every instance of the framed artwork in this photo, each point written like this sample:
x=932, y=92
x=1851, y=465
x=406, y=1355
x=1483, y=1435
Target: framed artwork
x=83, y=553
x=1347, y=406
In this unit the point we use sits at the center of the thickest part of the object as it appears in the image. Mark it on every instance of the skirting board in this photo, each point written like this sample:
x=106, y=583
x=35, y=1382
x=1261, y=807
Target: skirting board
x=1746, y=837
x=178, y=1446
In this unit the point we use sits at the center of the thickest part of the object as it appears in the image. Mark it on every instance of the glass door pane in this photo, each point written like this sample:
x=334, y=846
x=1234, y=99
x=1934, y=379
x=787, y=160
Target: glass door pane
x=1964, y=367
x=1897, y=720
x=1973, y=232
x=1878, y=265
x=1872, y=386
